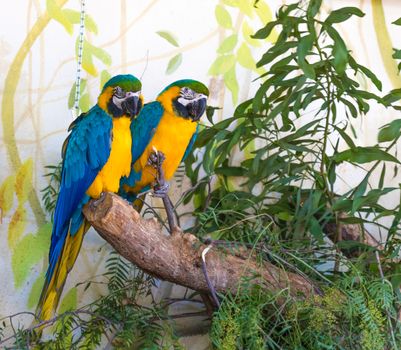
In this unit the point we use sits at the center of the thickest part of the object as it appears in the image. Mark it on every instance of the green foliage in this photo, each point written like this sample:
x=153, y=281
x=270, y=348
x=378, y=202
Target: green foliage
x=168, y=37
x=268, y=176
x=7, y=195
x=235, y=48
x=29, y=251
x=174, y=63
x=120, y=318
x=50, y=192
x=293, y=119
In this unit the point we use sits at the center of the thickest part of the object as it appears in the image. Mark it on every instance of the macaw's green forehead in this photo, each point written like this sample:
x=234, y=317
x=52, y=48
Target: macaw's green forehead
x=194, y=85
x=127, y=82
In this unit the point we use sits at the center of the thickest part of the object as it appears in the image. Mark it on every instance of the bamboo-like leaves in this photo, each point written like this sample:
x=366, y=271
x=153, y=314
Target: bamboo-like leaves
x=341, y=15
x=390, y=131
x=362, y=155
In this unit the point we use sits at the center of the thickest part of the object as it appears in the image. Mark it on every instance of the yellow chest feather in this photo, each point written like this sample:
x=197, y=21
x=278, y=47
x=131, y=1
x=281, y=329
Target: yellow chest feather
x=119, y=162
x=171, y=137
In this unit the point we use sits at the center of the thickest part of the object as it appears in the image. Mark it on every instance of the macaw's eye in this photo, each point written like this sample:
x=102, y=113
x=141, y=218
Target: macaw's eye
x=118, y=92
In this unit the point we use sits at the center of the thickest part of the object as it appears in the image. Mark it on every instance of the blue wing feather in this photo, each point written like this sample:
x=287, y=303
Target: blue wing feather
x=86, y=151
x=143, y=128
x=191, y=143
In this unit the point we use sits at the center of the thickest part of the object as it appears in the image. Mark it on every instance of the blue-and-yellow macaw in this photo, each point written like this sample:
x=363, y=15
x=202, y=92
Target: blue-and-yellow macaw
x=168, y=125
x=96, y=154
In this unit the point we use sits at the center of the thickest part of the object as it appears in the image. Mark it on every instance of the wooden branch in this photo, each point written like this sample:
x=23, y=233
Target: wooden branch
x=177, y=258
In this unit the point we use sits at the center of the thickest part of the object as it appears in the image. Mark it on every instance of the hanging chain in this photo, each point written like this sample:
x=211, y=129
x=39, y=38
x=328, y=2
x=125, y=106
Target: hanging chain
x=75, y=110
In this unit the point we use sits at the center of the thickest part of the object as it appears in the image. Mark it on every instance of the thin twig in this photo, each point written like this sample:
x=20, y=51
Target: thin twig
x=209, y=283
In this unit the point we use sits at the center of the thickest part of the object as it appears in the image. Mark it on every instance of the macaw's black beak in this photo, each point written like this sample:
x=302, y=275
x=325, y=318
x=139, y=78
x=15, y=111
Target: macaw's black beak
x=131, y=106
x=196, y=109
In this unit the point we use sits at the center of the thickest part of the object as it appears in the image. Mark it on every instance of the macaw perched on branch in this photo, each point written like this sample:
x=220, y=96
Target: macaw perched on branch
x=96, y=154
x=168, y=128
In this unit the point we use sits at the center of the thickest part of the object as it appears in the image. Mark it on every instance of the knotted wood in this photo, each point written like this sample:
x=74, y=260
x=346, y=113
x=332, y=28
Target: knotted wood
x=177, y=258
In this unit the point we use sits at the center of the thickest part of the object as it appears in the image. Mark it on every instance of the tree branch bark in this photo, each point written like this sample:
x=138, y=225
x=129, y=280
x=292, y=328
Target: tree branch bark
x=177, y=258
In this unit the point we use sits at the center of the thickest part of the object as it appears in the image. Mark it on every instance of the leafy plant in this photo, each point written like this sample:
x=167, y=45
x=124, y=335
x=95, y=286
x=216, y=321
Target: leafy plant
x=283, y=194
x=119, y=318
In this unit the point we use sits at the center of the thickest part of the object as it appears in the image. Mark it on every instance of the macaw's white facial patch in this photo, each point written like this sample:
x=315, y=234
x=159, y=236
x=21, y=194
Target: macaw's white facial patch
x=120, y=96
x=118, y=101
x=187, y=96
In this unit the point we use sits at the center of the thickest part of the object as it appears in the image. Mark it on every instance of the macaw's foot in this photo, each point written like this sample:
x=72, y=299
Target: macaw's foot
x=160, y=189
x=156, y=159
x=95, y=202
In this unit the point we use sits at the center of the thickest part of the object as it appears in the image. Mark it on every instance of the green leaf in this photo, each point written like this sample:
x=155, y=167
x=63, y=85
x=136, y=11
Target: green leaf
x=370, y=199
x=232, y=3
x=90, y=51
x=36, y=289
x=350, y=106
x=6, y=195
x=231, y=171
x=382, y=175
x=23, y=181
x=265, y=14
x=210, y=113
x=84, y=103
x=222, y=64
x=246, y=7
x=397, y=54
x=245, y=58
x=363, y=155
x=315, y=229
x=343, y=14
x=264, y=32
x=340, y=51
x=75, y=18
x=230, y=80
x=174, y=63
x=390, y=131
x=247, y=33
x=371, y=76
x=100, y=54
x=397, y=22
x=304, y=46
x=361, y=188
x=69, y=301
x=17, y=225
x=313, y=7
x=169, y=37
x=58, y=15
x=228, y=44
x=345, y=136
x=275, y=52
x=392, y=96
x=71, y=96
x=285, y=216
x=104, y=78
x=30, y=250
x=342, y=204
x=223, y=17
